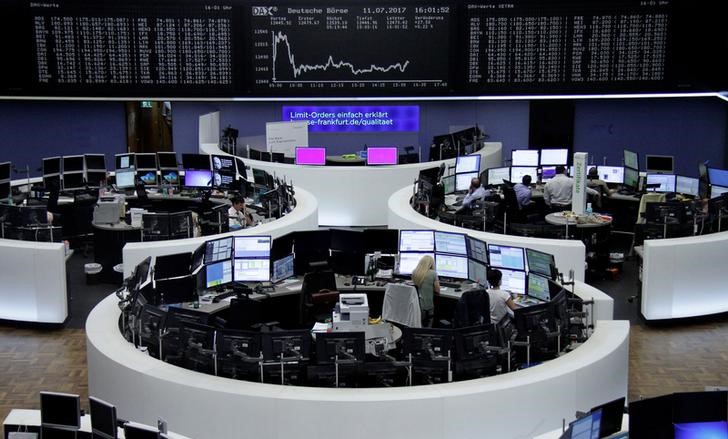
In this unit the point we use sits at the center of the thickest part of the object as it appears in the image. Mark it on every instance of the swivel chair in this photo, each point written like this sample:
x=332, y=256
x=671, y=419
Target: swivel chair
x=473, y=308
x=318, y=296
x=401, y=305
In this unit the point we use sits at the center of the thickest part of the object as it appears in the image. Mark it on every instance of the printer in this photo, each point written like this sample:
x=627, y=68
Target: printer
x=351, y=313
x=109, y=209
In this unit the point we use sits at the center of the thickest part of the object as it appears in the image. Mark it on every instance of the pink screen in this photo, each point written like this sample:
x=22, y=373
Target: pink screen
x=382, y=155
x=310, y=156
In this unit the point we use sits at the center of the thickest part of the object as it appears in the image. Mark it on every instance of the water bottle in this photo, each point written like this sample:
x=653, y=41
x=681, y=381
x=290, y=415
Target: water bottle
x=588, y=208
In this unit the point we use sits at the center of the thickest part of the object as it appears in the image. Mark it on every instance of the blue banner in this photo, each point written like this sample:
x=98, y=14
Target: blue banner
x=331, y=119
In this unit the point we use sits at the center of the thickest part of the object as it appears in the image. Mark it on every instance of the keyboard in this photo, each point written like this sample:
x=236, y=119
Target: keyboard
x=222, y=296
x=450, y=284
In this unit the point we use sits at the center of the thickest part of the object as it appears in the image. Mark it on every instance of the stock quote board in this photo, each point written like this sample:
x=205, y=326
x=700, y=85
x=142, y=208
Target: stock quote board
x=348, y=48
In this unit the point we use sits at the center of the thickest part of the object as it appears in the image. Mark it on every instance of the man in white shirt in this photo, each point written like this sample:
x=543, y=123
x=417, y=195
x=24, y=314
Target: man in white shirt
x=475, y=192
x=238, y=217
x=557, y=192
x=500, y=301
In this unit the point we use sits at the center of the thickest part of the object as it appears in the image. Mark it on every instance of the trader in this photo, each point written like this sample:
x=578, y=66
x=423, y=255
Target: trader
x=475, y=192
x=523, y=191
x=500, y=301
x=425, y=279
x=238, y=216
x=593, y=181
x=557, y=192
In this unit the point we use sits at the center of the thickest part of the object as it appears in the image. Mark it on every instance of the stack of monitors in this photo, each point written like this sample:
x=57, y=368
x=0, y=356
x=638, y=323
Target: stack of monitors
x=413, y=245
x=168, y=169
x=466, y=168
x=511, y=263
x=631, y=169
x=224, y=171
x=451, y=255
x=311, y=155
x=477, y=261
x=251, y=259
x=5, y=169
x=382, y=155
x=146, y=166
x=718, y=179
x=73, y=174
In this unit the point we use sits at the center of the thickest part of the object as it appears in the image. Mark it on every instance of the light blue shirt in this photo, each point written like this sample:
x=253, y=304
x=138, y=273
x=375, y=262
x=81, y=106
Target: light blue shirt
x=523, y=194
x=477, y=194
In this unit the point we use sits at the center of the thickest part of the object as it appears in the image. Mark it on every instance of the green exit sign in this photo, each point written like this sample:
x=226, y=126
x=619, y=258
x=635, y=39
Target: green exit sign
x=146, y=104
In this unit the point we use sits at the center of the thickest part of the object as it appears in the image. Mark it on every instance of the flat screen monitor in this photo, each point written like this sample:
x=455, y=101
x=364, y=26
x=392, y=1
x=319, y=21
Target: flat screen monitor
x=587, y=427
x=138, y=431
x=554, y=157
x=462, y=181
x=452, y=266
x=701, y=430
x=148, y=177
x=146, y=161
x=103, y=418
x=496, y=176
x=382, y=155
x=222, y=181
x=538, y=287
x=96, y=178
x=218, y=250
x=517, y=173
x=416, y=241
x=612, y=413
x=467, y=163
x=224, y=164
x=540, y=262
x=283, y=268
x=122, y=161
x=716, y=191
x=73, y=163
x=382, y=240
x=659, y=164
x=310, y=156
x=252, y=247
x=167, y=160
x=125, y=178
x=448, y=184
x=60, y=410
x=703, y=178
x=196, y=161
x=95, y=162
x=503, y=256
x=52, y=181
x=548, y=172
x=251, y=270
x=198, y=178
x=408, y=261
x=330, y=345
x=5, y=168
x=477, y=272
x=449, y=242
x=666, y=182
x=631, y=159
x=513, y=281
x=631, y=178
x=611, y=174
x=169, y=177
x=218, y=274
x=687, y=185
x=176, y=290
x=51, y=165
x=477, y=250
x=524, y=157
x=73, y=180
x=718, y=177
x=5, y=190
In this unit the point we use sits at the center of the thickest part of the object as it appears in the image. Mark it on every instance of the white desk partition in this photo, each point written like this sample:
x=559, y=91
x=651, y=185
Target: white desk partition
x=685, y=277
x=356, y=195
x=569, y=254
x=303, y=217
x=520, y=404
x=33, y=281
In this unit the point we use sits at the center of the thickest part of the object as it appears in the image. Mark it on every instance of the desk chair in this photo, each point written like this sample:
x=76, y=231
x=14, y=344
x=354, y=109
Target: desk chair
x=473, y=308
x=402, y=305
x=639, y=225
x=318, y=297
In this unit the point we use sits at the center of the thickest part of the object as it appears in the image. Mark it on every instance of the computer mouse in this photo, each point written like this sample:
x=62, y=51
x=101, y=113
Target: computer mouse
x=347, y=284
x=457, y=290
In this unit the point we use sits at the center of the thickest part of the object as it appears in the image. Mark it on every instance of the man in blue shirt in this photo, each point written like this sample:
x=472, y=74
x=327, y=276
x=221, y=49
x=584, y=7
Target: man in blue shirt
x=523, y=191
x=475, y=192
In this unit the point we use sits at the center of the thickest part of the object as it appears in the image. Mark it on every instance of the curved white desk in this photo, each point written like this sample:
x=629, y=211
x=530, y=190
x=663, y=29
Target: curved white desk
x=355, y=195
x=569, y=254
x=685, y=277
x=515, y=405
x=303, y=217
x=33, y=281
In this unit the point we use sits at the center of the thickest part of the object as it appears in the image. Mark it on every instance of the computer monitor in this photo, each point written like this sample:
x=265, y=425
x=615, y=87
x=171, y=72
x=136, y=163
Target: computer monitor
x=687, y=185
x=103, y=419
x=95, y=162
x=611, y=174
x=176, y=290
x=716, y=191
x=452, y=266
x=548, y=172
x=291, y=344
x=700, y=430
x=252, y=247
x=467, y=163
x=503, y=256
x=251, y=270
x=554, y=157
x=424, y=343
x=133, y=430
x=496, y=176
x=96, y=178
x=73, y=180
x=148, y=177
x=283, y=268
x=73, y=163
x=612, y=413
x=430, y=175
x=718, y=177
x=125, y=178
x=651, y=417
x=218, y=274
x=448, y=184
x=659, y=164
x=196, y=161
x=382, y=155
x=124, y=161
x=344, y=240
x=631, y=178
x=517, y=173
x=310, y=156
x=538, y=287
x=5, y=190
x=382, y=240
x=344, y=345
x=51, y=165
x=449, y=242
x=218, y=250
x=416, y=241
x=169, y=177
x=408, y=261
x=167, y=160
x=224, y=164
x=462, y=181
x=587, y=427
x=540, y=263
x=513, y=281
x=198, y=178
x=477, y=249
x=146, y=161
x=60, y=410
x=172, y=265
x=478, y=272
x=524, y=157
x=631, y=159
x=666, y=182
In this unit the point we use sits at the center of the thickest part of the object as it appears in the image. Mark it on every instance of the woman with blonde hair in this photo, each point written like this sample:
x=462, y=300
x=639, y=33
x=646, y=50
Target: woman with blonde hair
x=425, y=279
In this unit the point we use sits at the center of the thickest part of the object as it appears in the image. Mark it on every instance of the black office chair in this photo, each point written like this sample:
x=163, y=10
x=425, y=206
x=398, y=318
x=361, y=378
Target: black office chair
x=473, y=308
x=318, y=297
x=515, y=215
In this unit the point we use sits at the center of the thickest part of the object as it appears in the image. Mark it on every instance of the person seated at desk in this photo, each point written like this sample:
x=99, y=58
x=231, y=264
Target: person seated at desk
x=557, y=192
x=500, y=301
x=238, y=216
x=594, y=182
x=425, y=279
x=523, y=191
x=475, y=192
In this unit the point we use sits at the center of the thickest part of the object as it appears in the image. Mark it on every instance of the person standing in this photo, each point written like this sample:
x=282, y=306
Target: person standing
x=425, y=279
